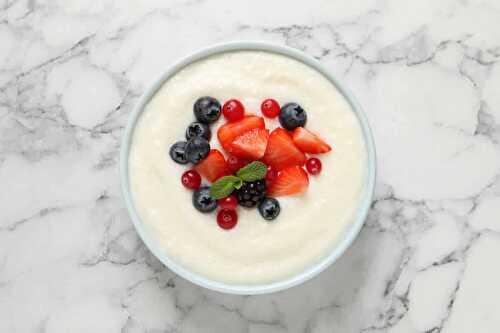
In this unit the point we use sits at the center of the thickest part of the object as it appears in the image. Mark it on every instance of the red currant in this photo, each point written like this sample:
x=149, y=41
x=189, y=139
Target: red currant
x=313, y=166
x=227, y=218
x=271, y=174
x=233, y=110
x=191, y=179
x=270, y=108
x=235, y=163
x=230, y=202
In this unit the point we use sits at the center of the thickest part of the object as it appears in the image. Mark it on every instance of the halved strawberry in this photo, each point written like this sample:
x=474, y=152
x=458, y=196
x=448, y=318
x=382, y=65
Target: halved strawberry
x=281, y=151
x=309, y=143
x=228, y=132
x=213, y=166
x=290, y=181
x=251, y=145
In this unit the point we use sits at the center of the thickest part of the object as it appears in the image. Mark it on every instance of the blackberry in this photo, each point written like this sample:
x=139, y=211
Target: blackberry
x=251, y=193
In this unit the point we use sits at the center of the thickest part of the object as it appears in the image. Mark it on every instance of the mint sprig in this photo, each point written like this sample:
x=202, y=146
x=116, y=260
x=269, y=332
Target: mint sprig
x=252, y=172
x=224, y=186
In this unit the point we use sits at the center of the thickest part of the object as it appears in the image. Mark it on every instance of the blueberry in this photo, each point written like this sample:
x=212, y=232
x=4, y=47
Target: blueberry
x=202, y=200
x=178, y=152
x=269, y=208
x=198, y=129
x=197, y=149
x=206, y=109
x=292, y=115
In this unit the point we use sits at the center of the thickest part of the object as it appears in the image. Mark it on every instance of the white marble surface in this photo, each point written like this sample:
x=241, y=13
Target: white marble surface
x=428, y=74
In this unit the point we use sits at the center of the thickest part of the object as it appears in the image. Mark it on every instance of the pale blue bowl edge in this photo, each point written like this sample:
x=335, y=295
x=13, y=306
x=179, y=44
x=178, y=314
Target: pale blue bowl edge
x=349, y=236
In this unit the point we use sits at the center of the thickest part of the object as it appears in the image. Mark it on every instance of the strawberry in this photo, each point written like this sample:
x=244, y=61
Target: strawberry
x=281, y=152
x=234, y=163
x=308, y=142
x=290, y=181
x=250, y=145
x=213, y=166
x=229, y=131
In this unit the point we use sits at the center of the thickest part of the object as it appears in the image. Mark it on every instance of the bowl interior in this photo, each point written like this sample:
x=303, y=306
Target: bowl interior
x=349, y=234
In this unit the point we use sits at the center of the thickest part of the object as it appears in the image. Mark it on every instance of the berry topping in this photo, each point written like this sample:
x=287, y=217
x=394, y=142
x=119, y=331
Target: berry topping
x=260, y=165
x=309, y=143
x=290, y=181
x=213, y=166
x=250, y=145
x=191, y=179
x=228, y=132
x=206, y=109
x=197, y=149
x=198, y=129
x=270, y=108
x=292, y=115
x=251, y=193
x=313, y=166
x=271, y=174
x=227, y=219
x=234, y=163
x=233, y=110
x=281, y=152
x=202, y=200
x=269, y=208
x=230, y=202
x=178, y=152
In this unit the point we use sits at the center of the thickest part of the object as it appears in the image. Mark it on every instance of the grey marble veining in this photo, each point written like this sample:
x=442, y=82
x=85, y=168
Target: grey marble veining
x=427, y=73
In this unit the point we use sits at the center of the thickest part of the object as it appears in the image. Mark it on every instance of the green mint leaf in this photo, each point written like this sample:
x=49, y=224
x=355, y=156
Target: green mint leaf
x=224, y=186
x=252, y=172
x=238, y=184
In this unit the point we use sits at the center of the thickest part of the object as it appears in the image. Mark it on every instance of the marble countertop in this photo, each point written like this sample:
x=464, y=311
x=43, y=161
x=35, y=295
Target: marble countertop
x=427, y=73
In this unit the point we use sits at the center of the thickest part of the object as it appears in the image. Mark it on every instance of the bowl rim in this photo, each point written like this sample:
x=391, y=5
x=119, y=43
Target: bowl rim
x=251, y=289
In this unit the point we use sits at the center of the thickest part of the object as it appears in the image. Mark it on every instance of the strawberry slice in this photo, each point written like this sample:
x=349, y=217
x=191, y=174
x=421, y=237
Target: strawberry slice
x=281, y=152
x=290, y=181
x=228, y=132
x=309, y=143
x=250, y=145
x=213, y=166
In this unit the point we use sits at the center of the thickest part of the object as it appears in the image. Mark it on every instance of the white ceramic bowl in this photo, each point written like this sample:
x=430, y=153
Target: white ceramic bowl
x=343, y=243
